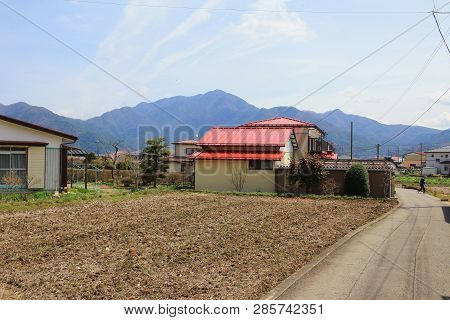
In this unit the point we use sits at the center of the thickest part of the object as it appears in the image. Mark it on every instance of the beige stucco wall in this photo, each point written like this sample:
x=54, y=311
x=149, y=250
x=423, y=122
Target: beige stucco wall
x=13, y=132
x=173, y=167
x=216, y=175
x=36, y=167
x=302, y=135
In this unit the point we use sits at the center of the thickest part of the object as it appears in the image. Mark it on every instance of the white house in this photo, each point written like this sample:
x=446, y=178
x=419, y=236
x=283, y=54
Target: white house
x=31, y=156
x=439, y=159
x=179, y=161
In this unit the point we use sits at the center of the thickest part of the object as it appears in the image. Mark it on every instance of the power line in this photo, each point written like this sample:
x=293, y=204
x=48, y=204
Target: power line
x=413, y=82
x=364, y=58
x=163, y=6
x=361, y=61
x=390, y=68
x=440, y=31
x=414, y=122
x=419, y=117
x=78, y=53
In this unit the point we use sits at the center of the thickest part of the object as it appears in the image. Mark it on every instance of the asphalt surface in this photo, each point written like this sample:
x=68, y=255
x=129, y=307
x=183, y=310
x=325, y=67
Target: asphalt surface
x=404, y=256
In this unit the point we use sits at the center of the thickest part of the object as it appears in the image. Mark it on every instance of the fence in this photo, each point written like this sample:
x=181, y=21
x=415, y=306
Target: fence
x=381, y=183
x=104, y=176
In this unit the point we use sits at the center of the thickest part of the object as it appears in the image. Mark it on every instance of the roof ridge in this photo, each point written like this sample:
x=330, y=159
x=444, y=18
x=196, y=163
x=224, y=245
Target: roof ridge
x=253, y=128
x=37, y=127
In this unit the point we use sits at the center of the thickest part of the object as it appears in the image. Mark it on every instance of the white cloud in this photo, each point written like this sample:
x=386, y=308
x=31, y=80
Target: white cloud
x=440, y=121
x=269, y=25
x=170, y=60
x=194, y=20
x=142, y=44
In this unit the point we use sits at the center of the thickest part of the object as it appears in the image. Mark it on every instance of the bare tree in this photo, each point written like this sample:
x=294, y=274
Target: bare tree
x=113, y=156
x=238, y=177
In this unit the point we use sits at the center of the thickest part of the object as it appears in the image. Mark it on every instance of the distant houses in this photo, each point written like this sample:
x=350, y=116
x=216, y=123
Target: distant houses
x=438, y=161
x=413, y=160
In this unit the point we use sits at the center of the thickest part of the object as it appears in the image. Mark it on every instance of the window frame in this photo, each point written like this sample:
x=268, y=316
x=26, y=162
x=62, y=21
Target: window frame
x=256, y=164
x=194, y=150
x=14, y=151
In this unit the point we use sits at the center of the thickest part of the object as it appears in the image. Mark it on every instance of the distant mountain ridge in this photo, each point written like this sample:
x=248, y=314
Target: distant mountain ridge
x=182, y=117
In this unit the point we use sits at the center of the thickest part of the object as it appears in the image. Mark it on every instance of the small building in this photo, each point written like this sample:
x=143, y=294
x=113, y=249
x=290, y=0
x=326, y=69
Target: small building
x=439, y=159
x=245, y=158
x=414, y=160
x=381, y=174
x=32, y=157
x=394, y=159
x=179, y=161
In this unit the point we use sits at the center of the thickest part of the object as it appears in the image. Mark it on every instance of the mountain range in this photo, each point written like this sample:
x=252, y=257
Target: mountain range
x=182, y=117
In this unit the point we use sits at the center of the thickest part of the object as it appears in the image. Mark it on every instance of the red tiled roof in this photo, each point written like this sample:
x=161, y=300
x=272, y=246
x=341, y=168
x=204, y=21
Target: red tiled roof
x=246, y=136
x=237, y=155
x=329, y=155
x=279, y=122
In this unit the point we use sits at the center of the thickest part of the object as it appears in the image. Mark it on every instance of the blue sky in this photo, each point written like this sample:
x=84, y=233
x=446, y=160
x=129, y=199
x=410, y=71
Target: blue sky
x=267, y=58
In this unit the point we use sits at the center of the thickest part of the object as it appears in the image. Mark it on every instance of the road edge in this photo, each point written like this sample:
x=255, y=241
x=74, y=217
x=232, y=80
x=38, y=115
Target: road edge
x=277, y=291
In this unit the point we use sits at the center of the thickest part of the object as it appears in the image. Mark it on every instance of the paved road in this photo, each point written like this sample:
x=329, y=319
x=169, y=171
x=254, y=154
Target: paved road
x=404, y=256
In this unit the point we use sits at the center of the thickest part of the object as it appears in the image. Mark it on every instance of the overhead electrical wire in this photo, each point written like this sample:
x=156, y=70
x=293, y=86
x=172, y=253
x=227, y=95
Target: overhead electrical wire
x=362, y=60
x=379, y=77
x=440, y=31
x=411, y=124
x=87, y=59
x=418, y=118
x=240, y=10
x=413, y=82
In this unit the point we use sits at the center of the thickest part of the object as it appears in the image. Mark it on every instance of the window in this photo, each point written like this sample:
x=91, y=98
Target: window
x=445, y=168
x=13, y=166
x=190, y=151
x=260, y=165
x=446, y=155
x=432, y=155
x=438, y=160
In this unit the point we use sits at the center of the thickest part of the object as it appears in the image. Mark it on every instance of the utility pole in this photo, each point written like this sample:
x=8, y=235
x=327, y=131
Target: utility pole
x=351, y=140
x=98, y=151
x=421, y=159
x=378, y=151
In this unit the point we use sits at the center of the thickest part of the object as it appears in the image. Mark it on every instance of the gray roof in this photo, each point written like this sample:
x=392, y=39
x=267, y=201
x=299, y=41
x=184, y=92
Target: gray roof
x=371, y=165
x=76, y=152
x=443, y=149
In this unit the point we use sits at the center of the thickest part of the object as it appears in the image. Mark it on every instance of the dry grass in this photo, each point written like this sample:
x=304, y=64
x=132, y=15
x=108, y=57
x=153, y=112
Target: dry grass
x=170, y=245
x=442, y=193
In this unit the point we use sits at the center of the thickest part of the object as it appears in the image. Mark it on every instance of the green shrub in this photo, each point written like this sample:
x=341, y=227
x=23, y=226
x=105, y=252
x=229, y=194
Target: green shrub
x=42, y=195
x=356, y=181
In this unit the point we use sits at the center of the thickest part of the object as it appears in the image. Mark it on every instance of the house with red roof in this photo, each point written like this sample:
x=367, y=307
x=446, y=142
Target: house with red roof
x=245, y=157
